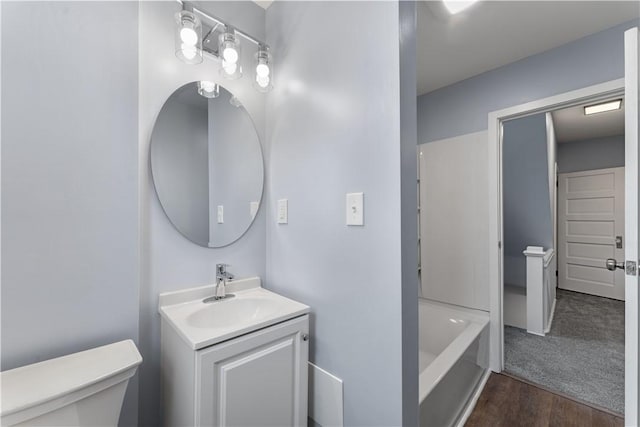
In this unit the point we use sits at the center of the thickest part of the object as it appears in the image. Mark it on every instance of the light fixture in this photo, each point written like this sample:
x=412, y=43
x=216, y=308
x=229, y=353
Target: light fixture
x=235, y=102
x=229, y=51
x=221, y=42
x=188, y=40
x=603, y=107
x=456, y=6
x=208, y=89
x=263, y=73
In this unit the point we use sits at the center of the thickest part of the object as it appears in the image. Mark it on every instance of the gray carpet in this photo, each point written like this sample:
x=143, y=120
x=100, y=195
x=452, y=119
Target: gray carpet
x=582, y=356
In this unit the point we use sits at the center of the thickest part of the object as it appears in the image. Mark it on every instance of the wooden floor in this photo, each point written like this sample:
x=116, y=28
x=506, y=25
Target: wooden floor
x=508, y=402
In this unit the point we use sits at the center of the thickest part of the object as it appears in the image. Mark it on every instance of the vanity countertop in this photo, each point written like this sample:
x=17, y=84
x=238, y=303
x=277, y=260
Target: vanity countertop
x=203, y=324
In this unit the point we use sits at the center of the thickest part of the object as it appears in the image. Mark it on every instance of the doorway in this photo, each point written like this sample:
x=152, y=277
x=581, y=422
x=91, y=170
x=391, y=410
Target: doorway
x=593, y=94
x=577, y=349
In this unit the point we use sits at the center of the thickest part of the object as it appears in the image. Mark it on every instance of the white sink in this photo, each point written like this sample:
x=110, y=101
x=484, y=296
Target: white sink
x=226, y=313
x=203, y=324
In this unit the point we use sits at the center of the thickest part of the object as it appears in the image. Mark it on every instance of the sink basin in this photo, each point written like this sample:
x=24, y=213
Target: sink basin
x=203, y=324
x=225, y=313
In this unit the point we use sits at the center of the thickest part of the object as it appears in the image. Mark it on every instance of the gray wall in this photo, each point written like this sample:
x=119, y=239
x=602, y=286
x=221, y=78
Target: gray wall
x=463, y=107
x=526, y=209
x=69, y=180
x=597, y=153
x=334, y=127
x=168, y=260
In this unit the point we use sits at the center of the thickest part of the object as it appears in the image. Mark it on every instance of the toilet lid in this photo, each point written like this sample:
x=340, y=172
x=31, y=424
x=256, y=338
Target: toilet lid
x=32, y=385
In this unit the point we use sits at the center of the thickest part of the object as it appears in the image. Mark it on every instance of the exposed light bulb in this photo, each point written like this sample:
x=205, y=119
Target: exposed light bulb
x=208, y=89
x=229, y=48
x=230, y=55
x=189, y=52
x=229, y=67
x=262, y=70
x=263, y=81
x=188, y=36
x=208, y=86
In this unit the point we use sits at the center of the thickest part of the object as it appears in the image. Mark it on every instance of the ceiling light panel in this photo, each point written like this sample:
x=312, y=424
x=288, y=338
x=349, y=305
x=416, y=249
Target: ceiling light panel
x=603, y=107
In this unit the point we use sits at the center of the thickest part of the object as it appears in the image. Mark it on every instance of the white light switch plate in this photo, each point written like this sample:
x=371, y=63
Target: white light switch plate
x=355, y=209
x=220, y=214
x=283, y=211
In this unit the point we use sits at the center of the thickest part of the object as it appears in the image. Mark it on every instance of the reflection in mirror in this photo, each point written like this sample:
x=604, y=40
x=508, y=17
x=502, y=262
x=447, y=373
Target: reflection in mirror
x=206, y=162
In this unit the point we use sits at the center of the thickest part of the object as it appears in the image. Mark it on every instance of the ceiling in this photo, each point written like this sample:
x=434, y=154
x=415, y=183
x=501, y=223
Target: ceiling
x=491, y=34
x=571, y=124
x=263, y=3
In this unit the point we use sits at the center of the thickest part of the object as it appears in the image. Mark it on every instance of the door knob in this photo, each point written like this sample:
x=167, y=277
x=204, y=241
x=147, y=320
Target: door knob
x=612, y=264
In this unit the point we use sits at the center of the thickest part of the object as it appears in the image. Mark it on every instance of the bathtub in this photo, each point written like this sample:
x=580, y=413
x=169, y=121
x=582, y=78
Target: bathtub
x=454, y=357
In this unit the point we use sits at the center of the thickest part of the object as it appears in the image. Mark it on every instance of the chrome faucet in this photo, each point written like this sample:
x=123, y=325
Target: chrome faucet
x=222, y=275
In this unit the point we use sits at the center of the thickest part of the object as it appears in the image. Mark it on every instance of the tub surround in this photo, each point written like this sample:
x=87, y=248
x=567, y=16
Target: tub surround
x=455, y=228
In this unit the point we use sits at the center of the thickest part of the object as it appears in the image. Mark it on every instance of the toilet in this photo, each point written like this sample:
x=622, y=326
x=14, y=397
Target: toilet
x=80, y=389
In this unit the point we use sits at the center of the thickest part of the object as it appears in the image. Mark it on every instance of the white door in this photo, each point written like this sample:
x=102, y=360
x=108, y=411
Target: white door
x=590, y=230
x=631, y=77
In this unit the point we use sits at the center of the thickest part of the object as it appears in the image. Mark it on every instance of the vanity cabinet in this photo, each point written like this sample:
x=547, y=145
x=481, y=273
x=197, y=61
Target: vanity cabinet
x=259, y=378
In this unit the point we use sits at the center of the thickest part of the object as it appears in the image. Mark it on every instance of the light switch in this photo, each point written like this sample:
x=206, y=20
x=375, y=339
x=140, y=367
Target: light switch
x=283, y=211
x=355, y=208
x=220, y=214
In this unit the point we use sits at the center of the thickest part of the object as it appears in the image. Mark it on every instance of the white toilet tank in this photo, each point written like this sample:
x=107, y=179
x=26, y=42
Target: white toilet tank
x=81, y=389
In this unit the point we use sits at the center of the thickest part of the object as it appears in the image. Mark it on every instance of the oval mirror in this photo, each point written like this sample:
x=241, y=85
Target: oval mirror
x=206, y=163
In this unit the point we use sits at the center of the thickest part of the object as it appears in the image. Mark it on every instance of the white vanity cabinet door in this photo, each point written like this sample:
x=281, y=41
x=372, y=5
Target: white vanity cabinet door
x=259, y=379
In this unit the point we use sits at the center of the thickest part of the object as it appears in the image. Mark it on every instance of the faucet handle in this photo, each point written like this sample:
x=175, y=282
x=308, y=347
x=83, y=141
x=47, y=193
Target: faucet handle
x=221, y=268
x=221, y=271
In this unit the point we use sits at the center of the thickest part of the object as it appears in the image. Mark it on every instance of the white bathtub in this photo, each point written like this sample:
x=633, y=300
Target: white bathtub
x=454, y=356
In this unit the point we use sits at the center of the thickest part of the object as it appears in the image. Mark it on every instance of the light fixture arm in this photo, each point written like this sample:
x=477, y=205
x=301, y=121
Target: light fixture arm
x=215, y=27
x=189, y=6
